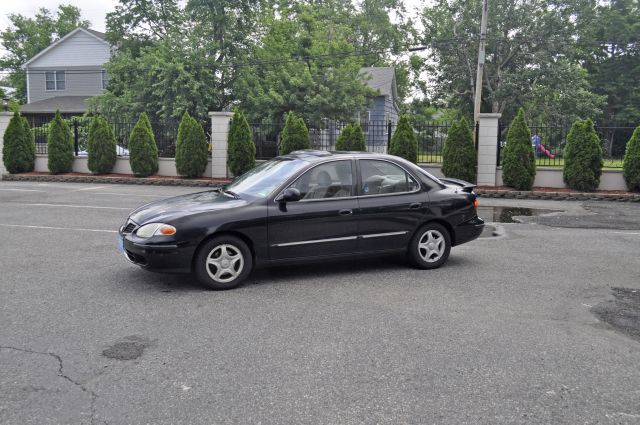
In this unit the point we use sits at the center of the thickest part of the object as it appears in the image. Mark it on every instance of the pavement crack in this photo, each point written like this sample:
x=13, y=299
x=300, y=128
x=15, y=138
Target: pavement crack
x=92, y=396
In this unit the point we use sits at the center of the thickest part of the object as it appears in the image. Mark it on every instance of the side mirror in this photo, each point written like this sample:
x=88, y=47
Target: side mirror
x=290, y=194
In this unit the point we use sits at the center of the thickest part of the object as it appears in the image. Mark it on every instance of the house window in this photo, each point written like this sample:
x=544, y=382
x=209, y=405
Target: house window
x=365, y=117
x=55, y=80
x=105, y=79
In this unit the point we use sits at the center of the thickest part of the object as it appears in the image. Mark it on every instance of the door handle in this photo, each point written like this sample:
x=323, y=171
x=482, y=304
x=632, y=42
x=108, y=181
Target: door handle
x=345, y=212
x=415, y=205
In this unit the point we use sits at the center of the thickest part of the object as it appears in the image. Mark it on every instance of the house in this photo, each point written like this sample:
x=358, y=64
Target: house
x=384, y=106
x=67, y=73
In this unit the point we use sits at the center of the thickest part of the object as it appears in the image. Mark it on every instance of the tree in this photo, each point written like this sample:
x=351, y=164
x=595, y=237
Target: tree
x=59, y=146
x=351, y=138
x=518, y=158
x=101, y=146
x=191, y=148
x=19, y=150
x=241, y=155
x=631, y=164
x=582, y=157
x=25, y=37
x=459, y=159
x=530, y=57
x=404, y=142
x=294, y=135
x=143, y=152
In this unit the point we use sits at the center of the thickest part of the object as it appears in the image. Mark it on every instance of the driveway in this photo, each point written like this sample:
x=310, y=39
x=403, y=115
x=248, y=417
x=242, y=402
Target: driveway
x=508, y=331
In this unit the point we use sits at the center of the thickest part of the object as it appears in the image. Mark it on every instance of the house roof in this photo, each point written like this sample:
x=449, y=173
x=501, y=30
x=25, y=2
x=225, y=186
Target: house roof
x=382, y=78
x=98, y=35
x=65, y=104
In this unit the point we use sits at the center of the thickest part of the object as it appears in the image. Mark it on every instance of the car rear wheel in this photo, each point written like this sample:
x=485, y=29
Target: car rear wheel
x=430, y=247
x=223, y=262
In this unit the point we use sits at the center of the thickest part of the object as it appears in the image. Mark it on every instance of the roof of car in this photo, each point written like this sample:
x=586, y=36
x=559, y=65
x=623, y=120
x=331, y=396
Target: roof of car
x=312, y=155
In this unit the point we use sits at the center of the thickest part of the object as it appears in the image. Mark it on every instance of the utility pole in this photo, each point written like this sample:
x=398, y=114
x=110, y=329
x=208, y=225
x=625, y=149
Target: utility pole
x=479, y=75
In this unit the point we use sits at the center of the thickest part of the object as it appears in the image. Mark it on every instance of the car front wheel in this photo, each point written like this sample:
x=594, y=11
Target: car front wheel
x=223, y=262
x=430, y=247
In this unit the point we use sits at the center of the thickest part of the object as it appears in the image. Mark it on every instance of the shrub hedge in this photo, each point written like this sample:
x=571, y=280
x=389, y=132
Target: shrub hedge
x=583, y=157
x=459, y=159
x=404, y=142
x=19, y=150
x=294, y=135
x=192, y=150
x=631, y=164
x=59, y=146
x=241, y=155
x=519, y=159
x=101, y=146
x=351, y=138
x=143, y=152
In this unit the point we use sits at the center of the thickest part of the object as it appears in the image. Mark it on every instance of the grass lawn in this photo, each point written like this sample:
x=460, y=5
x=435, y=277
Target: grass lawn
x=427, y=158
x=609, y=164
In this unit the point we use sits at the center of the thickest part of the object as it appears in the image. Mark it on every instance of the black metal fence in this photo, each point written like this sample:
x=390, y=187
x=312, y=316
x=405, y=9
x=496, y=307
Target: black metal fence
x=377, y=135
x=165, y=133
x=549, y=142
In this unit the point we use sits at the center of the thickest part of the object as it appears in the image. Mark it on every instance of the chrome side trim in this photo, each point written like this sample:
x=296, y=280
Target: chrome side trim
x=348, y=238
x=381, y=235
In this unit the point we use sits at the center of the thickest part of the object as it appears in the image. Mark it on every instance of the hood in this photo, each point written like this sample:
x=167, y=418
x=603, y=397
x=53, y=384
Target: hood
x=179, y=206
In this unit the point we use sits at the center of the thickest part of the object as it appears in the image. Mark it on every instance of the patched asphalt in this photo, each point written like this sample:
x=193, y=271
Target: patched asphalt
x=509, y=331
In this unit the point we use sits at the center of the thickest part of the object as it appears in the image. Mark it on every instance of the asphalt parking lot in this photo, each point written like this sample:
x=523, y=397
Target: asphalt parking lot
x=510, y=330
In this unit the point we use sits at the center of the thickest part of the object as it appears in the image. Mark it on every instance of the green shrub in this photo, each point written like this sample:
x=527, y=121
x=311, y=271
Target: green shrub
x=459, y=159
x=404, y=142
x=143, y=152
x=192, y=148
x=294, y=135
x=351, y=138
x=518, y=156
x=60, y=146
x=19, y=151
x=101, y=146
x=631, y=164
x=582, y=157
x=241, y=155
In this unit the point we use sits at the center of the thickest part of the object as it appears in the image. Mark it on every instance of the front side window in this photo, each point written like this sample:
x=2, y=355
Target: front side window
x=382, y=177
x=260, y=181
x=55, y=80
x=330, y=180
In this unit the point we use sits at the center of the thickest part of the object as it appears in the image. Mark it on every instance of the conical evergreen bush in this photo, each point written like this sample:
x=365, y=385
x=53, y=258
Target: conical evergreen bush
x=518, y=156
x=583, y=157
x=404, y=142
x=101, y=146
x=60, y=146
x=143, y=152
x=19, y=149
x=459, y=159
x=241, y=156
x=192, y=150
x=631, y=164
x=294, y=135
x=351, y=138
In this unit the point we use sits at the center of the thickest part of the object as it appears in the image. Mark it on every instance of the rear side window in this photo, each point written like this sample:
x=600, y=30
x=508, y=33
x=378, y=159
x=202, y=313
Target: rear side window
x=382, y=177
x=329, y=180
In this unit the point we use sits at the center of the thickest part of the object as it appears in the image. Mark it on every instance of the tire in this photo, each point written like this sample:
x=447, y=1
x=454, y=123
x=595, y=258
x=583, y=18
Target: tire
x=430, y=246
x=223, y=262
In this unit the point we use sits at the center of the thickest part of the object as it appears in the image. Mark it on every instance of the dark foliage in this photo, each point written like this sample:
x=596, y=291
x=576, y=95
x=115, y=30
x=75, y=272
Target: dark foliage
x=101, y=146
x=519, y=159
x=241, y=155
x=19, y=149
x=404, y=142
x=192, y=149
x=60, y=146
x=631, y=165
x=294, y=135
x=583, y=157
x=143, y=152
x=459, y=159
x=351, y=139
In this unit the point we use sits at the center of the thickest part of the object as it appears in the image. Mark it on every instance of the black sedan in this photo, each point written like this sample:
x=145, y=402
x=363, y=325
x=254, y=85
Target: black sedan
x=308, y=205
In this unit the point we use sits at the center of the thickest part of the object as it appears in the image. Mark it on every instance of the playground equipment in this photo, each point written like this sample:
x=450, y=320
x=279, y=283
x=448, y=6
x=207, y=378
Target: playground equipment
x=536, y=143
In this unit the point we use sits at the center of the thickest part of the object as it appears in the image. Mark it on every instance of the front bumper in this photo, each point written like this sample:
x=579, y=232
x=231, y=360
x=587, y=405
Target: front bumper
x=468, y=231
x=158, y=257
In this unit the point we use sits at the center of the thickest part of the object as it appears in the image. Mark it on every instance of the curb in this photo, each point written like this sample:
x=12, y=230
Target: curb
x=558, y=196
x=114, y=180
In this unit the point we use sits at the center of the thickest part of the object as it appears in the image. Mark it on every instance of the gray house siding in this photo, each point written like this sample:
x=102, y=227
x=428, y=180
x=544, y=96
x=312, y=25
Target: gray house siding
x=79, y=81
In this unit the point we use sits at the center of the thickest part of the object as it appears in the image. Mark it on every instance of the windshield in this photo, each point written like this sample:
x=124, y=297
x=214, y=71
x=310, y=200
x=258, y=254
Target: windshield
x=259, y=182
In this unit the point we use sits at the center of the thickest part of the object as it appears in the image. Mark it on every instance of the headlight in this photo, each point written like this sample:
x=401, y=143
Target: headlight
x=156, y=229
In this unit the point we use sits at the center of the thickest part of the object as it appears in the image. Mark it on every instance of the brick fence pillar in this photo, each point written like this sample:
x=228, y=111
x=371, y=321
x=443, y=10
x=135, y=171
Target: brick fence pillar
x=4, y=122
x=487, y=149
x=219, y=134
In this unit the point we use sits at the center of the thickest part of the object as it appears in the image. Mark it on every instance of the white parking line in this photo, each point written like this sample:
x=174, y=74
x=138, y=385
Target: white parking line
x=88, y=188
x=26, y=190
x=66, y=206
x=58, y=228
x=133, y=194
x=626, y=233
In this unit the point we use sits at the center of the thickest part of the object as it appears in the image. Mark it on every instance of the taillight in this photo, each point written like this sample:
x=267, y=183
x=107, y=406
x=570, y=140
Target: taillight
x=475, y=203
